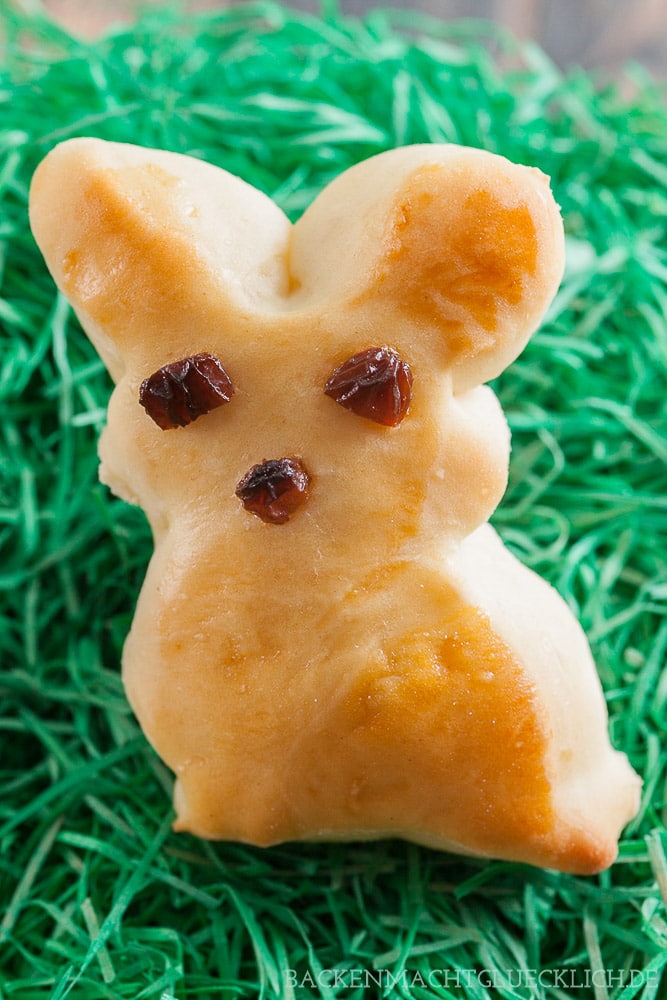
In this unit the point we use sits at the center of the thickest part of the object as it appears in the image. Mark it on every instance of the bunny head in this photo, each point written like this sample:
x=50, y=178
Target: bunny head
x=423, y=250
x=301, y=411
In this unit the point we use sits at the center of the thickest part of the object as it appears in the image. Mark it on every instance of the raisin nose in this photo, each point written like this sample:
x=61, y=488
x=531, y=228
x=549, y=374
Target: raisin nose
x=274, y=489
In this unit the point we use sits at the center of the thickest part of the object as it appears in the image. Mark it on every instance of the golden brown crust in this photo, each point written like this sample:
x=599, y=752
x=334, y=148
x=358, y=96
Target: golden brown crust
x=486, y=252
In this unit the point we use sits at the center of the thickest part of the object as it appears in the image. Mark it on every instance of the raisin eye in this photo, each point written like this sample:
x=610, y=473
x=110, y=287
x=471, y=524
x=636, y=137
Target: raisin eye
x=274, y=489
x=178, y=393
x=376, y=384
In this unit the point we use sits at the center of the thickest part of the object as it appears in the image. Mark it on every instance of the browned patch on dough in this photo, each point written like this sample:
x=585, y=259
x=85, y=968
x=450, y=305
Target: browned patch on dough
x=442, y=738
x=457, y=262
x=456, y=708
x=133, y=257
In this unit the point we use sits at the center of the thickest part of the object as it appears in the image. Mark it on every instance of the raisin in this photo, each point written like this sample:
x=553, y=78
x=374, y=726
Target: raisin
x=274, y=489
x=178, y=393
x=376, y=384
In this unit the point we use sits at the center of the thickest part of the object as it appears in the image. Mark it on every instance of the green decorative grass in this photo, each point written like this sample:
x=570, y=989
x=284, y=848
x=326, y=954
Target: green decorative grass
x=99, y=898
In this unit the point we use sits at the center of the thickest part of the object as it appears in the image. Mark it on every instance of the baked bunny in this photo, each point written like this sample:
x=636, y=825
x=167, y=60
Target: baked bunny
x=331, y=642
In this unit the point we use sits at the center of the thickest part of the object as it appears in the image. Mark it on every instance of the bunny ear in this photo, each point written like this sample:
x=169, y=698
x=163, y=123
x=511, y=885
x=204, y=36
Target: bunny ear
x=444, y=239
x=154, y=248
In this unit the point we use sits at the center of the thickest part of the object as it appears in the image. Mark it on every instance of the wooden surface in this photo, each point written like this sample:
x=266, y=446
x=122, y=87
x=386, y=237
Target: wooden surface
x=589, y=33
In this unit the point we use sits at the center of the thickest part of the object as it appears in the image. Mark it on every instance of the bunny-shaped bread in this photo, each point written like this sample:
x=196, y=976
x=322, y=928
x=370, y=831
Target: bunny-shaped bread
x=330, y=641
